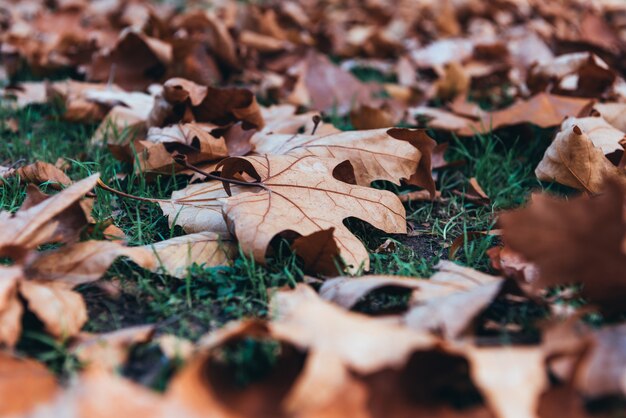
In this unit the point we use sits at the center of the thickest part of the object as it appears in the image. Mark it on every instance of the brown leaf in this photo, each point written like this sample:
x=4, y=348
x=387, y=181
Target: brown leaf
x=574, y=160
x=131, y=61
x=84, y=262
x=62, y=311
x=325, y=87
x=347, y=291
x=449, y=301
x=381, y=154
x=176, y=255
x=367, y=117
x=110, y=350
x=305, y=320
x=300, y=195
x=575, y=241
x=41, y=172
x=185, y=101
x=24, y=385
x=544, y=110
x=53, y=219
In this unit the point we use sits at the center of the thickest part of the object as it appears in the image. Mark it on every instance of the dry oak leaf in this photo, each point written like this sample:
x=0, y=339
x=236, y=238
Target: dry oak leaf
x=198, y=208
x=575, y=241
x=451, y=299
x=347, y=291
x=195, y=140
x=185, y=101
x=544, y=110
x=313, y=384
x=600, y=132
x=613, y=113
x=501, y=372
x=300, y=194
x=42, y=172
x=378, y=154
x=110, y=350
x=136, y=60
x=43, y=219
x=175, y=255
x=24, y=385
x=301, y=317
x=573, y=160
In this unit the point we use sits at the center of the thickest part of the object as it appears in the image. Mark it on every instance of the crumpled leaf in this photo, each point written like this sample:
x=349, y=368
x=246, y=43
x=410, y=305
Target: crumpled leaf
x=575, y=241
x=131, y=61
x=574, y=160
x=175, y=255
x=185, y=101
x=300, y=194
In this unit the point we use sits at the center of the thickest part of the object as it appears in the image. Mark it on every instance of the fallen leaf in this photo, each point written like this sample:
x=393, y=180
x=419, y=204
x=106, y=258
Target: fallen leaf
x=198, y=208
x=301, y=195
x=573, y=160
x=347, y=291
x=24, y=385
x=451, y=299
x=575, y=241
x=544, y=110
x=176, y=255
x=41, y=172
x=110, y=350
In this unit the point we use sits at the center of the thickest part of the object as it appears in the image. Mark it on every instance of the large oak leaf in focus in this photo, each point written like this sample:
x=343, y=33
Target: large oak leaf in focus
x=576, y=241
x=376, y=154
x=300, y=194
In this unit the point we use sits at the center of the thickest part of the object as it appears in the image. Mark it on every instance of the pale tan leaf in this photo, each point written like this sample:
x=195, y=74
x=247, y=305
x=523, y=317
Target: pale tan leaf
x=573, y=160
x=62, y=311
x=197, y=208
x=305, y=320
x=40, y=223
x=602, y=134
x=451, y=299
x=347, y=291
x=377, y=154
x=613, y=113
x=176, y=255
x=84, y=262
x=511, y=379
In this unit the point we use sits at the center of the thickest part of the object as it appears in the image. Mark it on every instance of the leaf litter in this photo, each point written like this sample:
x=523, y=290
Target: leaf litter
x=286, y=144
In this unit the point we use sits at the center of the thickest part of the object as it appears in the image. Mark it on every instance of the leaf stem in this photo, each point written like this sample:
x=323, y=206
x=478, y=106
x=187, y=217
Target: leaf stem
x=182, y=160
